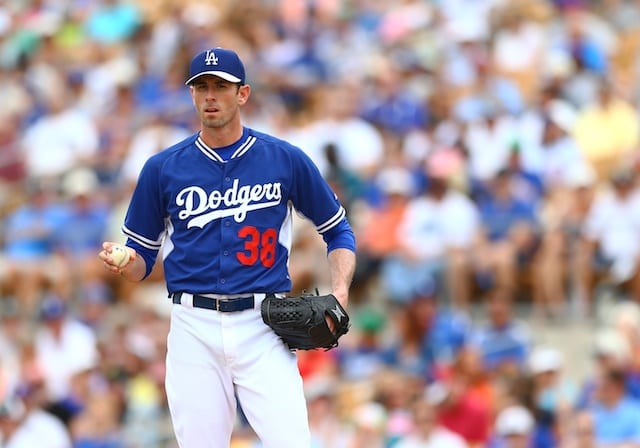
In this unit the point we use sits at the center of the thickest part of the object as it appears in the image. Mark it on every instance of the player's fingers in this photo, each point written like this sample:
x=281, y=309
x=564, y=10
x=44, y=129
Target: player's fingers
x=113, y=268
x=105, y=256
x=331, y=324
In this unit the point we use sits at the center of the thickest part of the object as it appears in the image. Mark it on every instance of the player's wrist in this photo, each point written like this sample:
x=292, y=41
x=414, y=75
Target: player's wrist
x=342, y=298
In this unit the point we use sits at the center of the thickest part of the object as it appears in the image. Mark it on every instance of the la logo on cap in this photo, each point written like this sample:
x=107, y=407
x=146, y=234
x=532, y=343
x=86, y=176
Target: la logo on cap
x=210, y=58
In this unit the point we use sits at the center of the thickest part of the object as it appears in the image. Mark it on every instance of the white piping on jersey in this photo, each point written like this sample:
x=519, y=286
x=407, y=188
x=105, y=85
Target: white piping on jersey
x=285, y=236
x=144, y=242
x=244, y=147
x=208, y=152
x=213, y=155
x=332, y=222
x=168, y=246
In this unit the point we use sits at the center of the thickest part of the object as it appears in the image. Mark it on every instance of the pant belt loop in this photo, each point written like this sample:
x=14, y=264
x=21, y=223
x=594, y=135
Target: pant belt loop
x=257, y=300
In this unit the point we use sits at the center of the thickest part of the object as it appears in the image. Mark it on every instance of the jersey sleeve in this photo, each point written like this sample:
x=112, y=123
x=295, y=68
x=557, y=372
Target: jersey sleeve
x=313, y=197
x=145, y=221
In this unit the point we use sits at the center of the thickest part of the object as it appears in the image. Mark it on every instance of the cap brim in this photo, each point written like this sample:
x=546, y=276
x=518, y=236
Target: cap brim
x=224, y=75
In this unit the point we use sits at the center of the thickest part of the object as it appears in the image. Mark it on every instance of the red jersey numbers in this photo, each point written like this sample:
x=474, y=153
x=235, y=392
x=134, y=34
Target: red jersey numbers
x=258, y=246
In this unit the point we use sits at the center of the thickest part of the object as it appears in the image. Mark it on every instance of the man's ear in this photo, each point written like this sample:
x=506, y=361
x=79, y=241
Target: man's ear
x=243, y=94
x=193, y=98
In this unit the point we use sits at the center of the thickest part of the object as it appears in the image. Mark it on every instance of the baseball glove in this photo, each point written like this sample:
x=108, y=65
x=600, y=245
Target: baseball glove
x=300, y=321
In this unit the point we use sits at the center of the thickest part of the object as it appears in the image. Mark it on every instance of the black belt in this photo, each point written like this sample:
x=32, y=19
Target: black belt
x=225, y=306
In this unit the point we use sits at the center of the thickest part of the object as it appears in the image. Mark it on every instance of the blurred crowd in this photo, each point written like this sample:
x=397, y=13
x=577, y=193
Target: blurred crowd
x=487, y=152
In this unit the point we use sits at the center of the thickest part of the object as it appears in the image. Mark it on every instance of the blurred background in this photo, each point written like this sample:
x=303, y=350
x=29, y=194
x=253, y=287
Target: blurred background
x=487, y=153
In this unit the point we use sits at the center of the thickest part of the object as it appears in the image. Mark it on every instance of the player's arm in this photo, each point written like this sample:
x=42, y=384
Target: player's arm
x=342, y=263
x=313, y=197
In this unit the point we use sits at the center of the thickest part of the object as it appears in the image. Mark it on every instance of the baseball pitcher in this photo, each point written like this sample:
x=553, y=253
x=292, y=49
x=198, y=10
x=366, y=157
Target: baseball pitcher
x=220, y=206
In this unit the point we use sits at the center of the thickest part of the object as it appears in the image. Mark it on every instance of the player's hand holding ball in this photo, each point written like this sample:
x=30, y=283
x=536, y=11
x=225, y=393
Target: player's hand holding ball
x=120, y=255
x=115, y=256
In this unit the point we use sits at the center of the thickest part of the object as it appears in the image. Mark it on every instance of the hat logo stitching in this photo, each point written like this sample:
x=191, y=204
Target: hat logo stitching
x=211, y=58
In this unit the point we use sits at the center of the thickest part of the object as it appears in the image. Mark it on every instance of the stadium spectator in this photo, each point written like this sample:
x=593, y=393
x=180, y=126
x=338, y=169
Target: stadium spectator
x=518, y=47
x=406, y=352
x=379, y=234
x=513, y=427
x=560, y=152
x=112, y=21
x=436, y=235
x=551, y=396
x=81, y=226
x=607, y=131
x=429, y=337
x=482, y=385
x=562, y=218
x=359, y=144
x=25, y=422
x=29, y=245
x=396, y=390
x=488, y=142
x=11, y=334
x=445, y=331
x=527, y=185
x=60, y=140
x=364, y=355
x=459, y=412
x=326, y=427
x=157, y=133
x=12, y=165
x=98, y=425
x=507, y=238
x=64, y=348
x=367, y=430
x=427, y=432
x=580, y=432
x=503, y=340
x=611, y=352
x=624, y=317
x=116, y=127
x=392, y=94
x=616, y=416
x=610, y=246
x=553, y=392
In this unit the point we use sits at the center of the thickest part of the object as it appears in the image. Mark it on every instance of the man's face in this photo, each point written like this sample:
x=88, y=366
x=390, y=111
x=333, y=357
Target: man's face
x=499, y=312
x=517, y=441
x=217, y=101
x=623, y=188
x=424, y=417
x=610, y=392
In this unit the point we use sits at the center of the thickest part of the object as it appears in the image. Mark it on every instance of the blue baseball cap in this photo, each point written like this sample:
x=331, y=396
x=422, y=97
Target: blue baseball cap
x=52, y=307
x=220, y=62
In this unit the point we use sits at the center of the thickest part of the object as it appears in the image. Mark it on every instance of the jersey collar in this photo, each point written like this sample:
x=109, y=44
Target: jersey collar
x=226, y=153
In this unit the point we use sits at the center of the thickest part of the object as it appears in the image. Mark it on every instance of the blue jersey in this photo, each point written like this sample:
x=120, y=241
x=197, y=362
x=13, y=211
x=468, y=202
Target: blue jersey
x=223, y=217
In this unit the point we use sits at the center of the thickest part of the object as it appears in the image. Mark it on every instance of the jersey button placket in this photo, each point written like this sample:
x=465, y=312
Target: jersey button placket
x=227, y=228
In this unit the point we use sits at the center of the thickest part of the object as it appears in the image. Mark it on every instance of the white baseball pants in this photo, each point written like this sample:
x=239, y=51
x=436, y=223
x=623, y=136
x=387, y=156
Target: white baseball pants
x=211, y=357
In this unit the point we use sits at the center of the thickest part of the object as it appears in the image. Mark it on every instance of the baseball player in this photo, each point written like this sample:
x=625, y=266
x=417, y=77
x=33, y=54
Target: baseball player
x=220, y=206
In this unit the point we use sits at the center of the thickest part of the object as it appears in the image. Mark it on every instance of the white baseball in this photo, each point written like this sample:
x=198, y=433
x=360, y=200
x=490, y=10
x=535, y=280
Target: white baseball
x=119, y=255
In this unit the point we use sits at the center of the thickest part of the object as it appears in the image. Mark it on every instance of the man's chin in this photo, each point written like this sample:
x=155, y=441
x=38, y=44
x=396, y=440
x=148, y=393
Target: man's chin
x=212, y=123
